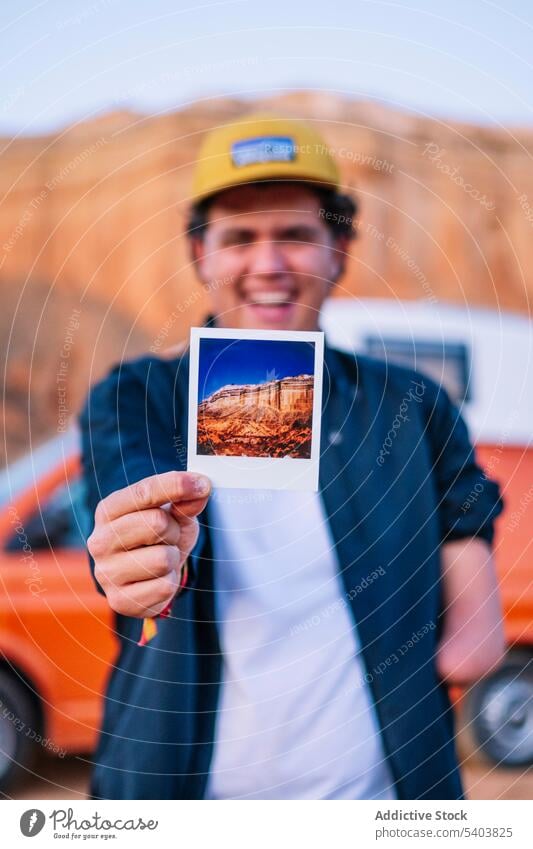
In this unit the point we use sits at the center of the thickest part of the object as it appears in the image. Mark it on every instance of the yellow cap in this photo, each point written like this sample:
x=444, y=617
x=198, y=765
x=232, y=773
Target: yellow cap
x=261, y=146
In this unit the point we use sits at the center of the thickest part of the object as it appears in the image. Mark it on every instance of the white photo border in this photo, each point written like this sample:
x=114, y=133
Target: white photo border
x=256, y=472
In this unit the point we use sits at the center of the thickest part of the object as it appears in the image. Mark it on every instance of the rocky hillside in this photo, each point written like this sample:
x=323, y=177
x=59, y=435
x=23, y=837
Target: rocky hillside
x=92, y=217
x=289, y=394
x=271, y=419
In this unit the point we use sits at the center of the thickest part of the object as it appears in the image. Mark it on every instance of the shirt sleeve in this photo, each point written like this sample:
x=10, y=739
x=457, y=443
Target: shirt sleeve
x=124, y=438
x=468, y=500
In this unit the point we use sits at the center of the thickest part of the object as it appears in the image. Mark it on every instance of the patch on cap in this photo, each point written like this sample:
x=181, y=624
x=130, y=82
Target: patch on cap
x=263, y=149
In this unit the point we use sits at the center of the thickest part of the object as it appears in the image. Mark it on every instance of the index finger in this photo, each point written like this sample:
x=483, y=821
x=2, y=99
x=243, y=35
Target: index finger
x=153, y=491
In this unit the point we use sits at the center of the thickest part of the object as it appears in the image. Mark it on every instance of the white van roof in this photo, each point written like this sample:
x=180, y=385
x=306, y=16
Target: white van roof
x=497, y=349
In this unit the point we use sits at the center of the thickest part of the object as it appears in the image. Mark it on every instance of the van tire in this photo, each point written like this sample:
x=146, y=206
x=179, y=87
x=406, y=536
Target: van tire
x=18, y=715
x=500, y=712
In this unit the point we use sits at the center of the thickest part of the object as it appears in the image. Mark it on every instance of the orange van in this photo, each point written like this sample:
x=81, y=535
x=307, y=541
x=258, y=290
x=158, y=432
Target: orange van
x=56, y=631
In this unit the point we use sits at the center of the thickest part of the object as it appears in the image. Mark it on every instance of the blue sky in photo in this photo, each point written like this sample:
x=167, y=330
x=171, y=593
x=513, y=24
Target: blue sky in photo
x=224, y=361
x=65, y=61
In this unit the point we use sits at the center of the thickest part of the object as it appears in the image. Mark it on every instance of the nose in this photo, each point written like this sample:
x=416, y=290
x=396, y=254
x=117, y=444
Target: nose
x=267, y=257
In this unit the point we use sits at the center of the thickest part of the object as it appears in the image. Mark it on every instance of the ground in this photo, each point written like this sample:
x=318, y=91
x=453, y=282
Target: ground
x=68, y=779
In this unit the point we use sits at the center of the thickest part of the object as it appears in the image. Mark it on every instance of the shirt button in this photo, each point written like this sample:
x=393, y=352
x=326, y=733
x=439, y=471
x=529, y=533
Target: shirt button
x=335, y=437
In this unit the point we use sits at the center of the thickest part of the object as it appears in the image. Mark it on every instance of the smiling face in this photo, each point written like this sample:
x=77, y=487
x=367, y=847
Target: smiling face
x=268, y=257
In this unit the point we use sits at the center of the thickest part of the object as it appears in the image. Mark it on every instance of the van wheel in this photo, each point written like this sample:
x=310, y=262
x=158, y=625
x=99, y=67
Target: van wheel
x=17, y=715
x=500, y=710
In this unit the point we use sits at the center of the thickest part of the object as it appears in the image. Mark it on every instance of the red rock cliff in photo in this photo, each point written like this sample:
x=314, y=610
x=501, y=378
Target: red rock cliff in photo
x=271, y=419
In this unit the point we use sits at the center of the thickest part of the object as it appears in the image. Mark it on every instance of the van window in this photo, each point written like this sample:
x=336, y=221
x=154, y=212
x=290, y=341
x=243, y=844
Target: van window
x=448, y=363
x=62, y=522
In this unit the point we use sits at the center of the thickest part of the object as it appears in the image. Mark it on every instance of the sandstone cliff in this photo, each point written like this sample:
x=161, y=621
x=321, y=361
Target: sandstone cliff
x=289, y=394
x=271, y=419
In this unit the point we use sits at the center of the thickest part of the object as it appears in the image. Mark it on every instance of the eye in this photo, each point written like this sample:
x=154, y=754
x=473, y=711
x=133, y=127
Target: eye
x=234, y=238
x=298, y=234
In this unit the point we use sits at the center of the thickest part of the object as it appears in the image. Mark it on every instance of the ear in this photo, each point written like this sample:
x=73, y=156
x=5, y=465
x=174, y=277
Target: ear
x=196, y=255
x=196, y=249
x=340, y=254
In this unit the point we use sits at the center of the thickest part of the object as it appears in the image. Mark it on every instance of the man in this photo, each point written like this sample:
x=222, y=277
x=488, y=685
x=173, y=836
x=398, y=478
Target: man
x=306, y=640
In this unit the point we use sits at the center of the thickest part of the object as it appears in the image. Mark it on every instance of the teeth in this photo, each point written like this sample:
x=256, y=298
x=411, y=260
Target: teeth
x=270, y=298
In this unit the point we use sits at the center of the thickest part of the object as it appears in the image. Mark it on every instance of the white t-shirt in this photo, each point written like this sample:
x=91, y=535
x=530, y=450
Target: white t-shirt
x=295, y=717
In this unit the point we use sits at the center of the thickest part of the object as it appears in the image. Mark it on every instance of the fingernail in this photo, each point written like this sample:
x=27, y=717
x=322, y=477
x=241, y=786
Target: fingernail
x=201, y=485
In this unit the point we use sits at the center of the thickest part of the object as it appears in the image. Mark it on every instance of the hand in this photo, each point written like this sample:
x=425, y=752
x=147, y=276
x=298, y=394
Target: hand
x=142, y=536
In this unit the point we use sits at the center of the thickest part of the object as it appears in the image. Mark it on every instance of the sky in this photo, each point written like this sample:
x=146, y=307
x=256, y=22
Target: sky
x=67, y=60
x=224, y=361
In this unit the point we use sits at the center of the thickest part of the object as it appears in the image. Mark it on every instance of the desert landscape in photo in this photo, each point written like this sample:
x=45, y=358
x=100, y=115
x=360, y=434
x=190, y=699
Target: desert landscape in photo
x=270, y=419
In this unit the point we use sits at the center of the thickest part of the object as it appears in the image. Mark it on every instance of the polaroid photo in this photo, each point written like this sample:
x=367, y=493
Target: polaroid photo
x=255, y=401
